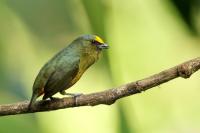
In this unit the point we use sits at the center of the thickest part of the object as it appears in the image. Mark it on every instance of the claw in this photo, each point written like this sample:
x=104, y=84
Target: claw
x=77, y=94
x=74, y=95
x=54, y=98
x=71, y=94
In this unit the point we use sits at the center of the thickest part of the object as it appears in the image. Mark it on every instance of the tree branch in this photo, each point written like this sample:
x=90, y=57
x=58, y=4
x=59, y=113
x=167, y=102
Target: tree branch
x=108, y=97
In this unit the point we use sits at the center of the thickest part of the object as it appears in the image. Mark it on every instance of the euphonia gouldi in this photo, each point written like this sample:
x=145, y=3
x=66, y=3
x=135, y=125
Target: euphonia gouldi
x=67, y=66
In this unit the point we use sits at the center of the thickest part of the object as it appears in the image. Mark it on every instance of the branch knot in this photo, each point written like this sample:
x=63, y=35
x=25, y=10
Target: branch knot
x=184, y=71
x=108, y=97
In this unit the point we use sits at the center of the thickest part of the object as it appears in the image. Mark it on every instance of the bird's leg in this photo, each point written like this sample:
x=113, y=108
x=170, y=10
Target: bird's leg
x=74, y=95
x=71, y=94
x=54, y=98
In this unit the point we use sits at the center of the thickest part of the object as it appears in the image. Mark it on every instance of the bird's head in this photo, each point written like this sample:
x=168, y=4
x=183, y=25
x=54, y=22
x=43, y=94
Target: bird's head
x=92, y=41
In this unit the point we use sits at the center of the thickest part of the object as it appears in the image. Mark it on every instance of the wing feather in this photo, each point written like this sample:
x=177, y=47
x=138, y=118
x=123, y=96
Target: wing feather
x=61, y=78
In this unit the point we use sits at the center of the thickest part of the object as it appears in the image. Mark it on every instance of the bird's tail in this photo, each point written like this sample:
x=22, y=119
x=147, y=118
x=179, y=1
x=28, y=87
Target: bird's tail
x=33, y=99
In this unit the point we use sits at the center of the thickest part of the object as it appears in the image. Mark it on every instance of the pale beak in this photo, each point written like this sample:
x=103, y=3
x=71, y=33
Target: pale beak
x=103, y=46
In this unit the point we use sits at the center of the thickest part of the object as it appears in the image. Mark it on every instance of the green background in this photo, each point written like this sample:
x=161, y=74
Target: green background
x=145, y=37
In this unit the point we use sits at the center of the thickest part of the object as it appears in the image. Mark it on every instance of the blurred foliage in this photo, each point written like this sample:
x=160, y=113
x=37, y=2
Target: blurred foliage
x=188, y=9
x=145, y=37
x=37, y=15
x=124, y=126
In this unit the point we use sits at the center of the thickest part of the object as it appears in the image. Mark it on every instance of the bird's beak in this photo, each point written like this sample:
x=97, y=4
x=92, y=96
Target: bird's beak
x=103, y=46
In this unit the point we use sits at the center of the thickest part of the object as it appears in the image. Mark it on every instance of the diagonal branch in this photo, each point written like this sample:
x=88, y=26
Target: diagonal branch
x=184, y=70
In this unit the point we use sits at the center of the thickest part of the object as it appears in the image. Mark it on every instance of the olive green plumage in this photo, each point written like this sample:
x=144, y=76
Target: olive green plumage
x=67, y=66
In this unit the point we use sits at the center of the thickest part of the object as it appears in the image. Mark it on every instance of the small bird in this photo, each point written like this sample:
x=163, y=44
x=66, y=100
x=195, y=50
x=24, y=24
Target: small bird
x=66, y=67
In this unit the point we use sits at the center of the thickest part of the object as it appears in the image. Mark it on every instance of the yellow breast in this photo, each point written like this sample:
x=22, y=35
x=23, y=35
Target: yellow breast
x=85, y=63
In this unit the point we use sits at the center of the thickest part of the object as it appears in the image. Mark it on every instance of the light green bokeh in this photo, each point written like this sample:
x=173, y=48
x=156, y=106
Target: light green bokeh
x=145, y=37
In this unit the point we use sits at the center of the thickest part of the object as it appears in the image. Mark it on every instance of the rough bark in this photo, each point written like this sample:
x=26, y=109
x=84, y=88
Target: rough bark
x=108, y=97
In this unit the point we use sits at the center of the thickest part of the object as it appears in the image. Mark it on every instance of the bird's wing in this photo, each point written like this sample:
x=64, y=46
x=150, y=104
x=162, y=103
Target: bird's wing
x=42, y=78
x=61, y=78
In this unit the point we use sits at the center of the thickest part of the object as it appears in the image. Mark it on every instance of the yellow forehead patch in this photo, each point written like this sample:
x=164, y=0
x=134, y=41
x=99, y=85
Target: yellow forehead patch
x=98, y=39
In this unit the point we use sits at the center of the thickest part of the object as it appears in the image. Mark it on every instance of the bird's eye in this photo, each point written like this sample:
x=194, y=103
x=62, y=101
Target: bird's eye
x=95, y=42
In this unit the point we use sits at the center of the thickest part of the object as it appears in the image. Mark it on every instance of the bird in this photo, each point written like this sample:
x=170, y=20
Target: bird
x=65, y=68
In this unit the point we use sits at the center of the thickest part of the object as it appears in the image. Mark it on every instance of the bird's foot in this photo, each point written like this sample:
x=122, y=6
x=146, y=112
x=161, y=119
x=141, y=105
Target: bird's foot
x=71, y=94
x=54, y=98
x=77, y=94
x=74, y=95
